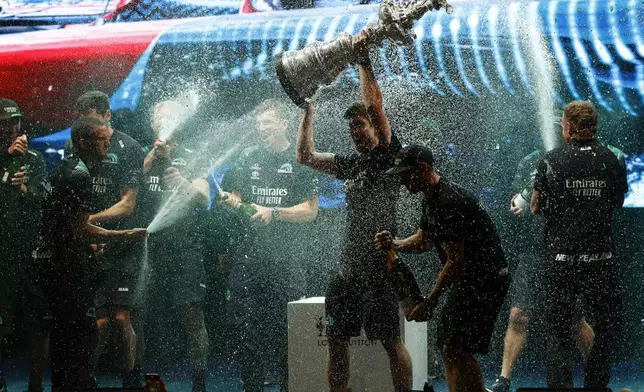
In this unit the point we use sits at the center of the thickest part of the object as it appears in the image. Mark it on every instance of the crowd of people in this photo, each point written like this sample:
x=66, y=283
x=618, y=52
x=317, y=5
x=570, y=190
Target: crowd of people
x=80, y=276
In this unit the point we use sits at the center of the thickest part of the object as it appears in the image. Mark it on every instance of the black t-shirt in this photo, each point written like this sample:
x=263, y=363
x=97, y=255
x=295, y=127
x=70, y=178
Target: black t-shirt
x=270, y=179
x=580, y=185
x=71, y=193
x=20, y=213
x=371, y=197
x=455, y=214
x=122, y=169
x=182, y=238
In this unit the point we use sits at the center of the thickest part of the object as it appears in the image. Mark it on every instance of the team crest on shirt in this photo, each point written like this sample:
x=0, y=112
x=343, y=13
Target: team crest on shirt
x=111, y=158
x=286, y=168
x=179, y=162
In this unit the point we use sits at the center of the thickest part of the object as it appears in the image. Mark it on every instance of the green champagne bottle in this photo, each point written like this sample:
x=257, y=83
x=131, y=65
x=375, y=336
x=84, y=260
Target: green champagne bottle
x=404, y=283
x=13, y=167
x=247, y=210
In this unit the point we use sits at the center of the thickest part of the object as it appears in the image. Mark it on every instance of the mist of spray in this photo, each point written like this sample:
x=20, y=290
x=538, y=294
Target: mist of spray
x=189, y=101
x=181, y=202
x=541, y=65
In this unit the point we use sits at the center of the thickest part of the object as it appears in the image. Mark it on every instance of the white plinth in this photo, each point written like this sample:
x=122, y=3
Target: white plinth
x=308, y=352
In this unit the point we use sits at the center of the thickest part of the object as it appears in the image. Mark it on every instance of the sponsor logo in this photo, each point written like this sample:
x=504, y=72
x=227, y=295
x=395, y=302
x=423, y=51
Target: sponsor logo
x=255, y=167
x=202, y=285
x=323, y=324
x=121, y=144
x=10, y=110
x=586, y=188
x=100, y=184
x=286, y=168
x=42, y=254
x=265, y=195
x=585, y=258
x=254, y=175
x=123, y=289
x=356, y=183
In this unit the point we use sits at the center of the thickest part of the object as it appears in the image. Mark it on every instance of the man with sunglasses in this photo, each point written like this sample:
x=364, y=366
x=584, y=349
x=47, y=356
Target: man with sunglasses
x=22, y=188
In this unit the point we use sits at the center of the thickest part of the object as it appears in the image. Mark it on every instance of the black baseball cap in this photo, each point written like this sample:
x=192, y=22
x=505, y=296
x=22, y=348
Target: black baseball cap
x=410, y=157
x=8, y=109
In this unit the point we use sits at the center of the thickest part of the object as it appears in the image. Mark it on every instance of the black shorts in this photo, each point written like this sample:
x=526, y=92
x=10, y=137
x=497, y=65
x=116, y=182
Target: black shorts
x=188, y=287
x=39, y=315
x=352, y=304
x=527, y=284
x=119, y=288
x=470, y=312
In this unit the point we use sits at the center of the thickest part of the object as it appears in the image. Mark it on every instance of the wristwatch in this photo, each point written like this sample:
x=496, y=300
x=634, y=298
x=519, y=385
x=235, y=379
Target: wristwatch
x=276, y=213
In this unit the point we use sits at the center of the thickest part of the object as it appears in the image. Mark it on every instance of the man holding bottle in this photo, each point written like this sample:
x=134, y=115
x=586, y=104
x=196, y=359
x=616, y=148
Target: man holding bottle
x=474, y=275
x=274, y=195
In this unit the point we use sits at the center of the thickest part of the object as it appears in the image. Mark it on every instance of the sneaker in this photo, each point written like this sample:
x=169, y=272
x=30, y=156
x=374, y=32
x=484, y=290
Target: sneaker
x=3, y=383
x=501, y=384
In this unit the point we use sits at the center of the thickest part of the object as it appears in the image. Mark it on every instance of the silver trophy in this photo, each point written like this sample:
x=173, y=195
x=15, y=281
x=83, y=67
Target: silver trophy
x=302, y=72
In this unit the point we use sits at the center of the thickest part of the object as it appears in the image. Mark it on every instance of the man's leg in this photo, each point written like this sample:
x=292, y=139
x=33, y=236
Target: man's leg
x=399, y=363
x=585, y=337
x=603, y=295
x=515, y=338
x=123, y=320
x=462, y=370
x=338, y=367
x=195, y=328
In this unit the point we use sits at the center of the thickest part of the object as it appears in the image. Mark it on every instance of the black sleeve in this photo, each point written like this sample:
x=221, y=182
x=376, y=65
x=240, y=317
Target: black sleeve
x=79, y=186
x=540, y=180
x=344, y=165
x=424, y=222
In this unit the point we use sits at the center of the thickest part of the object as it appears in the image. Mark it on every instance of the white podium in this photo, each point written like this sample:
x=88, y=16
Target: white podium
x=308, y=352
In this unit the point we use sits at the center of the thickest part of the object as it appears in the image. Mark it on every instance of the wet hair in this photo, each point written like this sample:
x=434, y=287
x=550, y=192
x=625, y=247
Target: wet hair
x=582, y=115
x=97, y=100
x=84, y=128
x=357, y=109
x=272, y=104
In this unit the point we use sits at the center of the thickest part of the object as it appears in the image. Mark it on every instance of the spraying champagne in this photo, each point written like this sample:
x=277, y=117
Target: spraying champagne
x=245, y=209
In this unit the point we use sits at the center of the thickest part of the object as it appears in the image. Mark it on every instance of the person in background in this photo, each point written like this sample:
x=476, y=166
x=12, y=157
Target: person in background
x=274, y=196
x=527, y=290
x=359, y=293
x=65, y=258
x=116, y=181
x=175, y=252
x=577, y=187
x=474, y=277
x=23, y=187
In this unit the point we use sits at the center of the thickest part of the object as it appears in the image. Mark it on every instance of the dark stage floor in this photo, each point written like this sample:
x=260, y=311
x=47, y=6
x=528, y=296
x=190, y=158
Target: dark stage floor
x=225, y=379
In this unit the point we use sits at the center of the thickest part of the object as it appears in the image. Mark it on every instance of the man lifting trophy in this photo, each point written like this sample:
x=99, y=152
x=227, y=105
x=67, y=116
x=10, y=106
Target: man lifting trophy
x=302, y=72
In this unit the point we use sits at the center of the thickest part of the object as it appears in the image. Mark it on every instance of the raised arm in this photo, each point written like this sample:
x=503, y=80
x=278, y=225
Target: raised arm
x=371, y=94
x=306, y=154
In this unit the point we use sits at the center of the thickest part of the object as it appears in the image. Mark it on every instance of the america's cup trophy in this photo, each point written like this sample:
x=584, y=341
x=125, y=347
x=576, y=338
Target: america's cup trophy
x=302, y=72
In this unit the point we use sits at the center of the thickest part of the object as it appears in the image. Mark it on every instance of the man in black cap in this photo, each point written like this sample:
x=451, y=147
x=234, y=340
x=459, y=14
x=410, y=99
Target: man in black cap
x=474, y=275
x=577, y=188
x=65, y=260
x=116, y=182
x=359, y=293
x=23, y=185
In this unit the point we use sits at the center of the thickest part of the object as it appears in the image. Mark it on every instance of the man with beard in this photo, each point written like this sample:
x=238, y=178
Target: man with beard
x=66, y=260
x=359, y=293
x=474, y=276
x=114, y=192
x=274, y=196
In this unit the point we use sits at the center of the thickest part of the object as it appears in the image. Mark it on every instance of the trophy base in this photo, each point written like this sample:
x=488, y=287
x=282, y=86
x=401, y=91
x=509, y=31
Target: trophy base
x=288, y=87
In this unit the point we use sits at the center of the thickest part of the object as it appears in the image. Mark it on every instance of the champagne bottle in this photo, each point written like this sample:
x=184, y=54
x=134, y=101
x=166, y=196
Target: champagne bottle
x=404, y=283
x=247, y=210
x=13, y=167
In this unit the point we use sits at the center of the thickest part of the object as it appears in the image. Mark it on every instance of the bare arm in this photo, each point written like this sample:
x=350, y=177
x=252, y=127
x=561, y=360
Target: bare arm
x=306, y=154
x=124, y=207
x=417, y=243
x=452, y=270
x=306, y=211
x=535, y=202
x=89, y=233
x=371, y=94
